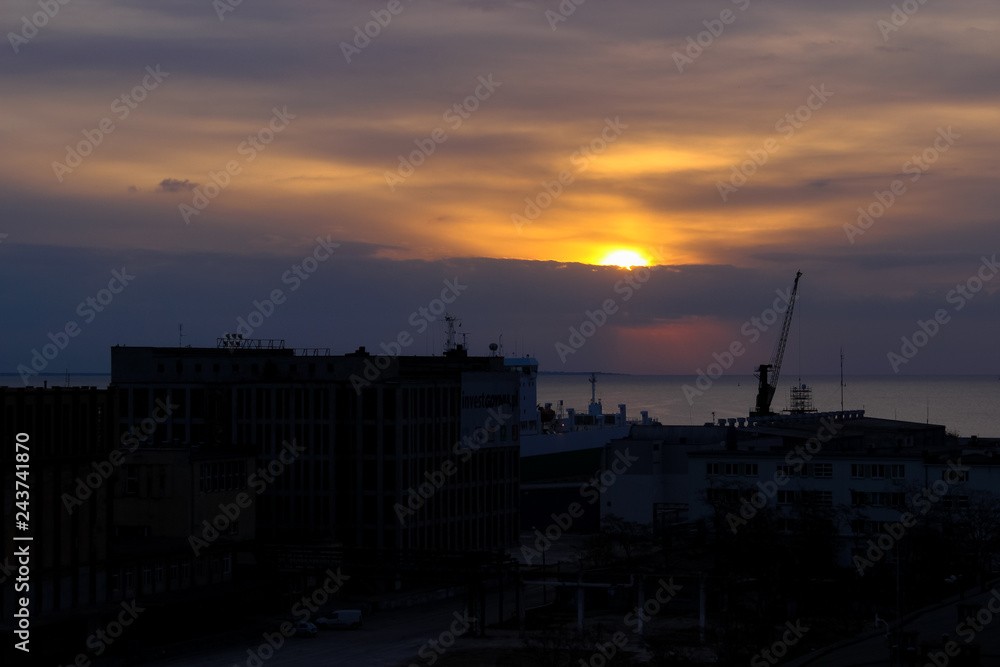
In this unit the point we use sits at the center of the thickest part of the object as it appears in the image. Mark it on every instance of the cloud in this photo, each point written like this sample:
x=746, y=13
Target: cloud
x=175, y=185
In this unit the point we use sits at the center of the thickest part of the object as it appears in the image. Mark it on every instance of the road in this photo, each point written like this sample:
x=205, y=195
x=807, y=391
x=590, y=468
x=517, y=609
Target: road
x=388, y=639
x=936, y=621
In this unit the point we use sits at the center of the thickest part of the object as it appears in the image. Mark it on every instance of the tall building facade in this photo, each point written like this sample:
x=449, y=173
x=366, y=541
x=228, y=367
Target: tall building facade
x=357, y=451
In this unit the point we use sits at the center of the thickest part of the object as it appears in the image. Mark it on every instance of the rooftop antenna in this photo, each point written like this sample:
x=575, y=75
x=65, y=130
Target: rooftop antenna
x=180, y=335
x=449, y=343
x=841, y=378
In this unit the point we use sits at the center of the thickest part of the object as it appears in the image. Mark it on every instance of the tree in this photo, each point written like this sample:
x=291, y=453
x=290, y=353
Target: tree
x=631, y=536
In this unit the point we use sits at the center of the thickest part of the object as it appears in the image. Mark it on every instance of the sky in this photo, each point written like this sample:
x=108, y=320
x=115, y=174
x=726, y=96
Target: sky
x=184, y=162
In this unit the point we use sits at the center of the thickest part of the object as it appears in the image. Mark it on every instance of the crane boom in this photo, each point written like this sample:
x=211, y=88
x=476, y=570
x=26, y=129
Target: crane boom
x=767, y=385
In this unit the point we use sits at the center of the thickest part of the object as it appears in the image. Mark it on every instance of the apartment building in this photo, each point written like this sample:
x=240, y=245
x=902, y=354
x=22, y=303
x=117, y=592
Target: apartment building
x=391, y=452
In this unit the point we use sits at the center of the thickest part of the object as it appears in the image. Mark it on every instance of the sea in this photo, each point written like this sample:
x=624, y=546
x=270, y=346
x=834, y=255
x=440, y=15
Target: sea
x=965, y=404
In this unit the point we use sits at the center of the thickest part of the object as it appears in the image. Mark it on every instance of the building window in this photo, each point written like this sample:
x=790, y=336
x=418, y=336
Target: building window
x=116, y=582
x=786, y=497
x=858, y=470
x=881, y=499
x=159, y=574
x=131, y=480
x=147, y=576
x=732, y=468
x=173, y=573
x=751, y=469
x=227, y=564
x=878, y=471
x=824, y=470
x=897, y=471
x=824, y=498
x=712, y=469
x=956, y=502
x=954, y=476
x=129, y=579
x=859, y=498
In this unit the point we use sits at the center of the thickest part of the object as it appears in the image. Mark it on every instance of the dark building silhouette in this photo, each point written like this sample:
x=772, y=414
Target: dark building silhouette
x=411, y=453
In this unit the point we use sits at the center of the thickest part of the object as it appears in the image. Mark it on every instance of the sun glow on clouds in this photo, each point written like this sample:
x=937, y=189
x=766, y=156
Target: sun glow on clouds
x=624, y=258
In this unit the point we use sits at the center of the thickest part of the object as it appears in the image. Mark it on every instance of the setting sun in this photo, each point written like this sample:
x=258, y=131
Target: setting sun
x=624, y=258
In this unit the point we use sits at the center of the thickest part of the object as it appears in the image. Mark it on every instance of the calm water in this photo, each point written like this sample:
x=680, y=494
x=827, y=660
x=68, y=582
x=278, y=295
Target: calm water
x=967, y=404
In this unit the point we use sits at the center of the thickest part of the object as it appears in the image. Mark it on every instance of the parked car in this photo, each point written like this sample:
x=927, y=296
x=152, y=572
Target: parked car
x=342, y=618
x=303, y=629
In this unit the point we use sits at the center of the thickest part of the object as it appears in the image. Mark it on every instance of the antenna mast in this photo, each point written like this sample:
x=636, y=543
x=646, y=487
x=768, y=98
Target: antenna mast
x=841, y=379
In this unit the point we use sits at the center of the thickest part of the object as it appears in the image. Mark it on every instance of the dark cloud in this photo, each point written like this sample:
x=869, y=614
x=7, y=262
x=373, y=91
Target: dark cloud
x=175, y=185
x=355, y=298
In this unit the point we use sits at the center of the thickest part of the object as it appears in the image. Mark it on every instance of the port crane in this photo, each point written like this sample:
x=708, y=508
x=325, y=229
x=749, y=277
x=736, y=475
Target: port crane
x=767, y=374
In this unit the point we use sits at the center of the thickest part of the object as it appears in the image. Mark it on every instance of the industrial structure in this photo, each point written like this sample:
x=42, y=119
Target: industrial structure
x=768, y=374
